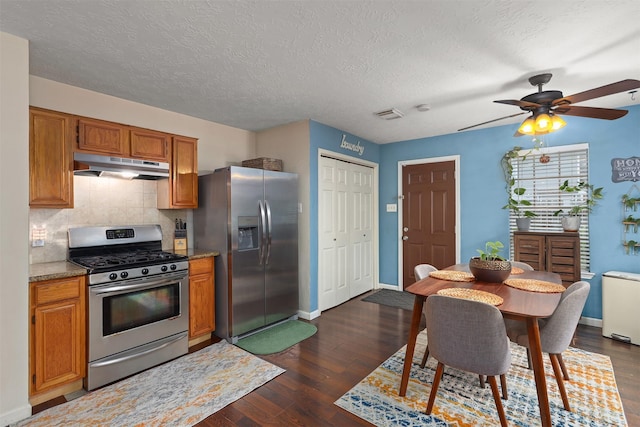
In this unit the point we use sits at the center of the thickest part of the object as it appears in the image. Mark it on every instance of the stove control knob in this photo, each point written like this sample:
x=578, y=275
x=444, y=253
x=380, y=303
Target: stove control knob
x=124, y=274
x=113, y=276
x=145, y=271
x=173, y=266
x=163, y=268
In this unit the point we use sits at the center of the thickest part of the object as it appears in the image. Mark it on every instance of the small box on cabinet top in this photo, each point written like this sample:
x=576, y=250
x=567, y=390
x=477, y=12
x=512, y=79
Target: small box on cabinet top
x=263, y=163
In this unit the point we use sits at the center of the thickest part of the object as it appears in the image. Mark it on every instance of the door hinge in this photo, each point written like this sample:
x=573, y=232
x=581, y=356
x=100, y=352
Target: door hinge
x=33, y=378
x=78, y=134
x=33, y=319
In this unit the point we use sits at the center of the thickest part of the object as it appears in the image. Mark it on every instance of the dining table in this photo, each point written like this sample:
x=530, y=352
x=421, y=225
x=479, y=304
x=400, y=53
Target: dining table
x=522, y=305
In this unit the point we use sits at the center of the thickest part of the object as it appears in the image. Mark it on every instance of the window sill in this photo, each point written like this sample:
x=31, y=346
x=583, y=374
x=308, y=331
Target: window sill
x=586, y=275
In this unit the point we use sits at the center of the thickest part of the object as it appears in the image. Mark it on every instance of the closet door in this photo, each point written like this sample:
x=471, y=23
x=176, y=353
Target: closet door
x=345, y=218
x=360, y=187
x=333, y=237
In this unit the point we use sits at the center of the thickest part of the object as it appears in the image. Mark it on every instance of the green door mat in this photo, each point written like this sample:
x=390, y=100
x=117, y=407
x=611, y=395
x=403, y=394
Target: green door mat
x=277, y=338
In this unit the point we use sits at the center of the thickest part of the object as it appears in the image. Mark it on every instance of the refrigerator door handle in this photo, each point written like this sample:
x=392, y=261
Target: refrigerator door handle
x=263, y=233
x=268, y=209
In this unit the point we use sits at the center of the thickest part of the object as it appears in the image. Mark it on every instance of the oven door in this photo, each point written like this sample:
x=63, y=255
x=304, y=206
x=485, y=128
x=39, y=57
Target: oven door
x=131, y=313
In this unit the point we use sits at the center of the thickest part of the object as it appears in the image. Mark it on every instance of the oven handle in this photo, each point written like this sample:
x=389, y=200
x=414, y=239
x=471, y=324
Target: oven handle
x=99, y=290
x=142, y=353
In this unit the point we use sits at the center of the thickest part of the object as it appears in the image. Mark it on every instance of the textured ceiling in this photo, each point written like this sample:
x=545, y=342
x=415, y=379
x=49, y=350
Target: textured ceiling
x=258, y=64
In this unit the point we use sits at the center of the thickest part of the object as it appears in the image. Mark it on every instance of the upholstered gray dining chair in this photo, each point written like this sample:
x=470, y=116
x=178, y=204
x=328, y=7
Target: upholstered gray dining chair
x=470, y=336
x=556, y=332
x=421, y=271
x=522, y=265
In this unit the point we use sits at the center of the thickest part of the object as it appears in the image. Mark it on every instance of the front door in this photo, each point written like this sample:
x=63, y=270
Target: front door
x=428, y=217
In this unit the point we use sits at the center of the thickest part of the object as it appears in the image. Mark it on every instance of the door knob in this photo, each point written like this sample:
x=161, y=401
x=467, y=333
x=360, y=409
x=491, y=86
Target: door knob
x=405, y=237
x=405, y=229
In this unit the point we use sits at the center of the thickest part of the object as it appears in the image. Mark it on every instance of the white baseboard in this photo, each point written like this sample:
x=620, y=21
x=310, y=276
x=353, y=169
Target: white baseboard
x=15, y=415
x=385, y=286
x=590, y=321
x=308, y=315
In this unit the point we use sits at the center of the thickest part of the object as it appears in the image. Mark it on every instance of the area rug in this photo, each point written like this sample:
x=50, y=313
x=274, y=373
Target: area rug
x=278, y=337
x=179, y=393
x=399, y=299
x=460, y=401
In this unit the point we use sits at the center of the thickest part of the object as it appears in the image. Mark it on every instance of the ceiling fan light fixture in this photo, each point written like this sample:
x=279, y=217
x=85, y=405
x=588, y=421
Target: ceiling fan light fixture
x=528, y=127
x=543, y=123
x=557, y=123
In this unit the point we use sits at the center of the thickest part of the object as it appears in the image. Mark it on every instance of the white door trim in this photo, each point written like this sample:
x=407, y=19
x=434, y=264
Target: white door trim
x=456, y=160
x=375, y=201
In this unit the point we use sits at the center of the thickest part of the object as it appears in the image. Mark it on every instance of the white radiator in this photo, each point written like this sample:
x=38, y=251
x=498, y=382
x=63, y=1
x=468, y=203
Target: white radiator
x=621, y=306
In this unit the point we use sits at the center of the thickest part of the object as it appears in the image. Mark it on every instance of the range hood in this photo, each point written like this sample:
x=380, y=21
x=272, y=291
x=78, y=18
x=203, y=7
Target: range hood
x=98, y=165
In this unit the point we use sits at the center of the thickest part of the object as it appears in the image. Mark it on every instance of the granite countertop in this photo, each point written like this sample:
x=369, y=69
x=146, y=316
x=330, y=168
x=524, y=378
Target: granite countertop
x=54, y=270
x=61, y=269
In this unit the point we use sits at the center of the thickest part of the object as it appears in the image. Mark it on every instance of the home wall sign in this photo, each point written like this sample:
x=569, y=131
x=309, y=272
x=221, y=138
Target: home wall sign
x=625, y=169
x=351, y=146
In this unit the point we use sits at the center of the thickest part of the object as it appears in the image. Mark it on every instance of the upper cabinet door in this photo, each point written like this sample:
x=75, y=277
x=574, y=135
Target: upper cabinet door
x=180, y=191
x=97, y=136
x=149, y=145
x=50, y=159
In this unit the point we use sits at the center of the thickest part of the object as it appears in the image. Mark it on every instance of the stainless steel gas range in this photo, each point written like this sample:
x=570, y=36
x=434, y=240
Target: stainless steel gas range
x=138, y=300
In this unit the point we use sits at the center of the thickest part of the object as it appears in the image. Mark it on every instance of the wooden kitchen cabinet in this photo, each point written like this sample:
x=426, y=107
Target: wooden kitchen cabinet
x=180, y=191
x=201, y=297
x=50, y=159
x=556, y=252
x=102, y=137
x=57, y=333
x=149, y=145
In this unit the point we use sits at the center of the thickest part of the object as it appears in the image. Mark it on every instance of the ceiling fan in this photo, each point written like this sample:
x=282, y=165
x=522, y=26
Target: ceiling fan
x=545, y=106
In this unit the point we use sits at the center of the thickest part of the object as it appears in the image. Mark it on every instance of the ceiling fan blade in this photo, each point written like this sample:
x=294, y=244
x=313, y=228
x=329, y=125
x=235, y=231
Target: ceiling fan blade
x=621, y=86
x=591, y=112
x=519, y=103
x=494, y=120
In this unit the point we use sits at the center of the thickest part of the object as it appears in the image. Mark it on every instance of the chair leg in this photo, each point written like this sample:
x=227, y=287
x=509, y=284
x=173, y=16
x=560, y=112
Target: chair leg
x=557, y=372
x=434, y=387
x=481, y=381
x=424, y=358
x=565, y=373
x=529, y=365
x=496, y=398
x=503, y=386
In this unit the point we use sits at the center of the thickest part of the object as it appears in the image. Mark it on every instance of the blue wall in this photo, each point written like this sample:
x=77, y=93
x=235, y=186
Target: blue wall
x=482, y=189
x=328, y=138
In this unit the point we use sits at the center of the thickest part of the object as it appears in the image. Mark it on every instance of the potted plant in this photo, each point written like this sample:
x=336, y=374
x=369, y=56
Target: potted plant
x=515, y=202
x=490, y=266
x=571, y=221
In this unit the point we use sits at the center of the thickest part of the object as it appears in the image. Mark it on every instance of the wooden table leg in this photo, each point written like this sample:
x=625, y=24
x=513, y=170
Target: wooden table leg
x=535, y=349
x=411, y=343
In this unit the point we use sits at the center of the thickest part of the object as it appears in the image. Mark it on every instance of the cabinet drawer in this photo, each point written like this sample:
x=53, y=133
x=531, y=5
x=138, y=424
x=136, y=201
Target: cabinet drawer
x=201, y=266
x=57, y=290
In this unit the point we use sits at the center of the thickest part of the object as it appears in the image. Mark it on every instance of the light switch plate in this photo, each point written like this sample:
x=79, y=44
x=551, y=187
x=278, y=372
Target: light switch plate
x=392, y=207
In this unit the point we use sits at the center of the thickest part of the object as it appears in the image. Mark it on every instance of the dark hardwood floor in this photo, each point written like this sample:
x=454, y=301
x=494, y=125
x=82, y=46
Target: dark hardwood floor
x=352, y=340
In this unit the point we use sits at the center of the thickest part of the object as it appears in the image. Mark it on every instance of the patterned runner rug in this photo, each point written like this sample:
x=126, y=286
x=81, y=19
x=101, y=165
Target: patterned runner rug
x=460, y=401
x=179, y=393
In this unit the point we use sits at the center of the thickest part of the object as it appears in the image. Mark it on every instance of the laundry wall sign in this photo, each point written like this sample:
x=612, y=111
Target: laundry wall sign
x=351, y=146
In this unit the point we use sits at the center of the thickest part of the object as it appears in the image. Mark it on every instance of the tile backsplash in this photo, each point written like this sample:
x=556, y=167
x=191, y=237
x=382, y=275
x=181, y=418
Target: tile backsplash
x=99, y=202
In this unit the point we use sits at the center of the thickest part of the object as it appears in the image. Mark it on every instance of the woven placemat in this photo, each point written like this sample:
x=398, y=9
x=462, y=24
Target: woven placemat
x=472, y=294
x=534, y=285
x=452, y=275
x=516, y=270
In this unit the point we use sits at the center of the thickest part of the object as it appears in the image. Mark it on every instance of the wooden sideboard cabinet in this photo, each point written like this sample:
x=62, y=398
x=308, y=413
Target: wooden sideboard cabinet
x=556, y=252
x=201, y=297
x=57, y=333
x=50, y=159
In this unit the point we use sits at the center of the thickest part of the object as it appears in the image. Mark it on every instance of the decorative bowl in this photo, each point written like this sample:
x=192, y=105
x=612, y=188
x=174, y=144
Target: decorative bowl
x=492, y=271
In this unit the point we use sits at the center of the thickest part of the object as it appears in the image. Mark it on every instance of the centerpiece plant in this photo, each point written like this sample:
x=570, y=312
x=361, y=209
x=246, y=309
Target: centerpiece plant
x=490, y=266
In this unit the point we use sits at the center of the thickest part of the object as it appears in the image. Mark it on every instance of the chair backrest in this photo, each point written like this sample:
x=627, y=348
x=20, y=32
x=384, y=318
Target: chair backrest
x=422, y=270
x=467, y=335
x=522, y=265
x=558, y=330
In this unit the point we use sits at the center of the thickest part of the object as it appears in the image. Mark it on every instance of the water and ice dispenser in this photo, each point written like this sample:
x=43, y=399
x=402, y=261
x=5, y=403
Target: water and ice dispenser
x=248, y=232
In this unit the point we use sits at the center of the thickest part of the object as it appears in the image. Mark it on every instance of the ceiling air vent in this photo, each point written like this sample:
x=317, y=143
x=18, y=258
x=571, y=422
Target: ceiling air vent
x=390, y=114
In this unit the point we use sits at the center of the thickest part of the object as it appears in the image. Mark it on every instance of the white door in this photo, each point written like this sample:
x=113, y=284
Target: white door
x=345, y=215
x=332, y=226
x=360, y=187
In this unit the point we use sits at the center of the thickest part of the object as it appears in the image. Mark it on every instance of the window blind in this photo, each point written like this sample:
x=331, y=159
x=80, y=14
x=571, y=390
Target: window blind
x=542, y=181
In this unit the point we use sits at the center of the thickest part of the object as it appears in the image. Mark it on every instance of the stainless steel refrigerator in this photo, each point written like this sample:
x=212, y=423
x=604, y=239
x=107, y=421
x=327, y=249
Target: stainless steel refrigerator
x=251, y=217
